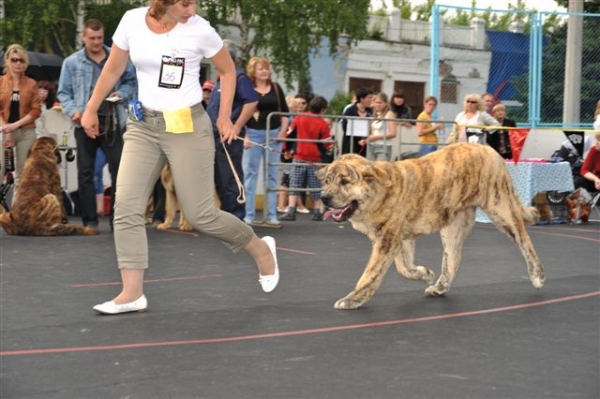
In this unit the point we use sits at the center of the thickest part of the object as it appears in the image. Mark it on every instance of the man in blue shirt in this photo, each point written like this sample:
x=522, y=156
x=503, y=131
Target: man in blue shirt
x=229, y=189
x=78, y=77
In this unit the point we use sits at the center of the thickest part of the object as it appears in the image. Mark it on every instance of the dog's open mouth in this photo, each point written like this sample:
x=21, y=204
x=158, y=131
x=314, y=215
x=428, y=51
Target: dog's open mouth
x=341, y=214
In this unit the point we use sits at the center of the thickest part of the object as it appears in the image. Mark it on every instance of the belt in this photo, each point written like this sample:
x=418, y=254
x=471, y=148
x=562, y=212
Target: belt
x=149, y=113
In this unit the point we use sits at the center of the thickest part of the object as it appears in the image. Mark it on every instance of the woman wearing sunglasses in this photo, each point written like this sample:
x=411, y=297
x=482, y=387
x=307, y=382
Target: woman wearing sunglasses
x=474, y=114
x=19, y=108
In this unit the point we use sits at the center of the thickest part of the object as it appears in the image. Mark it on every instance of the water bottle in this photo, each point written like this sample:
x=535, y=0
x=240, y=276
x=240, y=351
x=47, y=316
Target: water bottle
x=9, y=160
x=442, y=133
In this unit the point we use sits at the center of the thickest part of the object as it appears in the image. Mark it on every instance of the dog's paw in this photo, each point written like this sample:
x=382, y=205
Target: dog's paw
x=538, y=280
x=163, y=226
x=185, y=226
x=435, y=290
x=347, y=303
x=427, y=275
x=88, y=231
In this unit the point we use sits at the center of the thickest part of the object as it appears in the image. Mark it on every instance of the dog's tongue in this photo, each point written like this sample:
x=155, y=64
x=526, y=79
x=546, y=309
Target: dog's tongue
x=336, y=213
x=327, y=213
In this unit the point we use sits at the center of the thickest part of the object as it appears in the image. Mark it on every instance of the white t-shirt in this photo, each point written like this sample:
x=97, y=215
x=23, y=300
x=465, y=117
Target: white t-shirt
x=186, y=44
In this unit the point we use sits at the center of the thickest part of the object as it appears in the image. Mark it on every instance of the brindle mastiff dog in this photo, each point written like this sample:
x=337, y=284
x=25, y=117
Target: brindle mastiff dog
x=38, y=208
x=395, y=202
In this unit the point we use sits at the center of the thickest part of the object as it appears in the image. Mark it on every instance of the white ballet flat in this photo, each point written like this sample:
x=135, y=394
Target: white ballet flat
x=110, y=307
x=270, y=281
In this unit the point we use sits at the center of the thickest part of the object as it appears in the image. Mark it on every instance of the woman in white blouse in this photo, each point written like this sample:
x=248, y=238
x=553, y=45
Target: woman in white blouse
x=474, y=114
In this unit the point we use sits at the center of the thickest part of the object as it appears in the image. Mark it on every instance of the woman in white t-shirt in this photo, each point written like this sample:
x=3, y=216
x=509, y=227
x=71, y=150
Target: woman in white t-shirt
x=166, y=42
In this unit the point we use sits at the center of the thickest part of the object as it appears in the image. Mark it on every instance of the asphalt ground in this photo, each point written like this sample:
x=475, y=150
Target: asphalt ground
x=211, y=332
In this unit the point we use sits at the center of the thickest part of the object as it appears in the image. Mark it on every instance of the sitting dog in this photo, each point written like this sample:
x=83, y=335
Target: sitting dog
x=38, y=209
x=393, y=203
x=171, y=203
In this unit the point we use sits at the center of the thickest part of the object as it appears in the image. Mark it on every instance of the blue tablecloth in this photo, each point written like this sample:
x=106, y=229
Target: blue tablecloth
x=531, y=178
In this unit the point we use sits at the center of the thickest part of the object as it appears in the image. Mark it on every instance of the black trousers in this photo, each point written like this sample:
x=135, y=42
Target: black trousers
x=112, y=144
x=225, y=183
x=581, y=181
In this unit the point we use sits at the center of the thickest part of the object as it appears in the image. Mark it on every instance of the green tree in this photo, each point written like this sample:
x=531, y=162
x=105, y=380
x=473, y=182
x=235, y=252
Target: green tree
x=287, y=31
x=39, y=24
x=50, y=25
x=591, y=6
x=553, y=76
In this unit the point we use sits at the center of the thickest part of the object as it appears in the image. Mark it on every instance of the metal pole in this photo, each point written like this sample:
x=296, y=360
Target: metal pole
x=572, y=98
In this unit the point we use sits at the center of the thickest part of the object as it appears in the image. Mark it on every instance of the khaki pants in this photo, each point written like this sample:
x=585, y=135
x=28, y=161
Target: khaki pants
x=191, y=156
x=23, y=139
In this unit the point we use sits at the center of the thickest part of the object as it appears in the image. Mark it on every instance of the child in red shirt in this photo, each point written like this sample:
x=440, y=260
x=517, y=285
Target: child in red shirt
x=308, y=127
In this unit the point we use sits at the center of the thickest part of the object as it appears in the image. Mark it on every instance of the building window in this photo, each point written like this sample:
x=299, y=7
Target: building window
x=414, y=95
x=449, y=89
x=357, y=83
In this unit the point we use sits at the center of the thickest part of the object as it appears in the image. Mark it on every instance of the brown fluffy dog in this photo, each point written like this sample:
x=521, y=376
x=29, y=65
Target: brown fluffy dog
x=38, y=209
x=171, y=203
x=394, y=203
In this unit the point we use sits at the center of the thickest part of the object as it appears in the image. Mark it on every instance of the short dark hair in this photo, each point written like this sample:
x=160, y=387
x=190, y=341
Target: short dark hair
x=93, y=24
x=363, y=92
x=317, y=104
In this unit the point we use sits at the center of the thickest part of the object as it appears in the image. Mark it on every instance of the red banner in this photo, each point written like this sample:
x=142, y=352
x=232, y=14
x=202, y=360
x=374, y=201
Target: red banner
x=517, y=139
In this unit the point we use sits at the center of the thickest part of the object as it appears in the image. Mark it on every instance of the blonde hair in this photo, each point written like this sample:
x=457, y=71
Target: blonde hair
x=253, y=64
x=158, y=8
x=292, y=103
x=597, y=109
x=384, y=98
x=474, y=97
x=498, y=107
x=15, y=49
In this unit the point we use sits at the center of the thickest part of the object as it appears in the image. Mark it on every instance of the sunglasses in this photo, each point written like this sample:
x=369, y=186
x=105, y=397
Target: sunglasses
x=472, y=102
x=15, y=60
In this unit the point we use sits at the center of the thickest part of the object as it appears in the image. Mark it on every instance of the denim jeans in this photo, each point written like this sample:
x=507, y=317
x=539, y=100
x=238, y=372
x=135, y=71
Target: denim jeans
x=251, y=165
x=425, y=149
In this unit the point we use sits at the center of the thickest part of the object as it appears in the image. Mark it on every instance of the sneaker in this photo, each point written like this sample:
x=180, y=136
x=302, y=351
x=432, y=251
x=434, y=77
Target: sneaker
x=270, y=281
x=281, y=210
x=252, y=222
x=303, y=210
x=317, y=217
x=288, y=216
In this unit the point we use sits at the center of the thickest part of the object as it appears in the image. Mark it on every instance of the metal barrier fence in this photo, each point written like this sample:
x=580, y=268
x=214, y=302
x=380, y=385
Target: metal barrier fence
x=540, y=143
x=527, y=65
x=404, y=145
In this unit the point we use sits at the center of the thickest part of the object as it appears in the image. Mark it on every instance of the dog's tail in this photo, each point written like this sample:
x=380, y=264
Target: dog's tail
x=60, y=229
x=531, y=214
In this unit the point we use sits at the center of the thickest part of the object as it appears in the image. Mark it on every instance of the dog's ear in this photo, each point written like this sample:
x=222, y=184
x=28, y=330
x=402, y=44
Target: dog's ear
x=376, y=173
x=321, y=173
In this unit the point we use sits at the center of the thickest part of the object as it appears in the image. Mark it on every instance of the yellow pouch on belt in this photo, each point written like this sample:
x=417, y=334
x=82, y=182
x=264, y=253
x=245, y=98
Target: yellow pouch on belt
x=179, y=120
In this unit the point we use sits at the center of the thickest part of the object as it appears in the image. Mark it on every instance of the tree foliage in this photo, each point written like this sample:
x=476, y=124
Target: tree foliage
x=553, y=76
x=590, y=6
x=50, y=25
x=287, y=31
x=42, y=25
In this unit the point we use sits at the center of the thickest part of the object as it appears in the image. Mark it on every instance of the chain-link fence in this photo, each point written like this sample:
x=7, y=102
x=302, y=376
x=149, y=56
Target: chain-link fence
x=524, y=67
